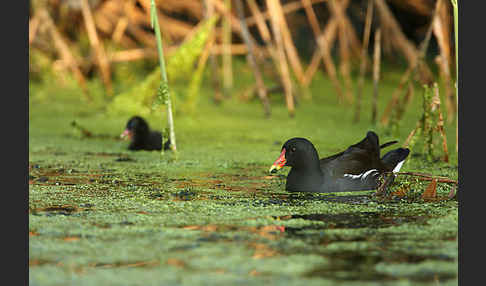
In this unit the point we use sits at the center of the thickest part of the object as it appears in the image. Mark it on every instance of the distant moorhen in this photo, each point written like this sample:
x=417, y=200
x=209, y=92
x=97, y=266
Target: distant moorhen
x=357, y=168
x=142, y=138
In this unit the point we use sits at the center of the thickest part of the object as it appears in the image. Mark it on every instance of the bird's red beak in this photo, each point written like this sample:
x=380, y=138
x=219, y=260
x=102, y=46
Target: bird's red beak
x=279, y=163
x=127, y=134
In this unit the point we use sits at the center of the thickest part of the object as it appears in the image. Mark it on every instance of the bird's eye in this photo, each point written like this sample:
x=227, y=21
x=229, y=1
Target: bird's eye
x=292, y=149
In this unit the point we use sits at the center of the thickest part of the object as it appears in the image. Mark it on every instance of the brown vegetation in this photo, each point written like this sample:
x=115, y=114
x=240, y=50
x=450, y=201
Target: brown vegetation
x=259, y=29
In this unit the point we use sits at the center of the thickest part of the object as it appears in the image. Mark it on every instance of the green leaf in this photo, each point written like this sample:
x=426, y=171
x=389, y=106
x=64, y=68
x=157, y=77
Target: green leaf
x=150, y=93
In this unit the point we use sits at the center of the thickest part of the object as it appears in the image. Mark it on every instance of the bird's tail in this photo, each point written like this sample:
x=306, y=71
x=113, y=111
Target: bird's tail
x=394, y=159
x=384, y=145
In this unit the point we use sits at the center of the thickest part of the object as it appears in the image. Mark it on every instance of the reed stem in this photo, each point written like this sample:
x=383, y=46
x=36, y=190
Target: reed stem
x=165, y=84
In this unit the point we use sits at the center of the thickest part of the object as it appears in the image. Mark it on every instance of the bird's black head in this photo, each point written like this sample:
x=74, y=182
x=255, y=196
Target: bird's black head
x=135, y=126
x=297, y=153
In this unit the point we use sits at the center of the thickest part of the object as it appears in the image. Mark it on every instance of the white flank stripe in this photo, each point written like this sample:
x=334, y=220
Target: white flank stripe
x=361, y=176
x=398, y=166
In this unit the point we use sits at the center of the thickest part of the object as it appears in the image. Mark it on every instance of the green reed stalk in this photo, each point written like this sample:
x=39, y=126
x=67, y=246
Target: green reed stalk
x=164, y=85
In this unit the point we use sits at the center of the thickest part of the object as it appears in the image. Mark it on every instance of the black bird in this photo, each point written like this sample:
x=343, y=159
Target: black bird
x=357, y=168
x=142, y=138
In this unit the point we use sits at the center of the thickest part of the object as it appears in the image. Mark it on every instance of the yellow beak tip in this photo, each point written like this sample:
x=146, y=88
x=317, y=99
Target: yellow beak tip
x=274, y=169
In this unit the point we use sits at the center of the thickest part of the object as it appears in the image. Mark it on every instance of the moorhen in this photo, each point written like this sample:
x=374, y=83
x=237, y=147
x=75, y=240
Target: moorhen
x=142, y=138
x=355, y=169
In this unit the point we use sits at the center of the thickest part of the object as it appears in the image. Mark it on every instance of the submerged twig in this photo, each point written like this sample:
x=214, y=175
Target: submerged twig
x=85, y=133
x=429, y=193
x=427, y=177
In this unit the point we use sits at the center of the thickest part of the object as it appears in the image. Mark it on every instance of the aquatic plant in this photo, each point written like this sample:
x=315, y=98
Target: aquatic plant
x=430, y=122
x=142, y=99
x=164, y=84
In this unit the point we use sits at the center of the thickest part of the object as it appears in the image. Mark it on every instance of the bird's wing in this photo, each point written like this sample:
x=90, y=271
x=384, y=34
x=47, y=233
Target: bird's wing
x=357, y=159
